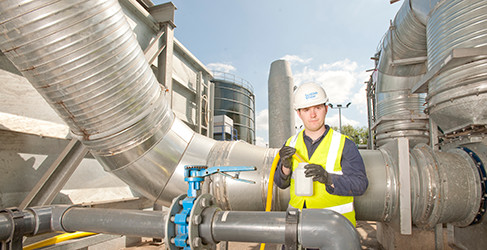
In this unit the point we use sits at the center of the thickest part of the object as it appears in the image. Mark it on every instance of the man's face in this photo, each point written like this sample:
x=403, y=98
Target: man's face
x=313, y=117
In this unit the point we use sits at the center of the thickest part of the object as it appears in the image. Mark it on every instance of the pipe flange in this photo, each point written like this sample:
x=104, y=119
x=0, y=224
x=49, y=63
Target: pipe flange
x=291, y=229
x=14, y=241
x=203, y=202
x=483, y=178
x=171, y=233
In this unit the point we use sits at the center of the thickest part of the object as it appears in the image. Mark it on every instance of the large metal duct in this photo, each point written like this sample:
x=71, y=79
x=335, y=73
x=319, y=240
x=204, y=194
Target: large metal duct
x=83, y=58
x=444, y=187
x=456, y=97
x=401, y=64
x=281, y=99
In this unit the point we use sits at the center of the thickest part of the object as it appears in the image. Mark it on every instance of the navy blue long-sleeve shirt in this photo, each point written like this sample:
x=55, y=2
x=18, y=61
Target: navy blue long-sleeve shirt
x=354, y=180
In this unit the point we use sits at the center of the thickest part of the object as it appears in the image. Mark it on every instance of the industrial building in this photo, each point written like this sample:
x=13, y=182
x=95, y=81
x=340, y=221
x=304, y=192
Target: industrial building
x=106, y=123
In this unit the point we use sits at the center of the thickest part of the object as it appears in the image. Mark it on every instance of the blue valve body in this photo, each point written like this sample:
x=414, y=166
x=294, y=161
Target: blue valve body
x=194, y=176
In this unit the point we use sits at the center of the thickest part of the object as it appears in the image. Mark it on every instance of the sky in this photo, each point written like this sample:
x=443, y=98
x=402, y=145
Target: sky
x=329, y=42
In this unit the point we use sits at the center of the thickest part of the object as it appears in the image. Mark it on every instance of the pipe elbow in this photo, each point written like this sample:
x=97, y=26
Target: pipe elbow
x=326, y=229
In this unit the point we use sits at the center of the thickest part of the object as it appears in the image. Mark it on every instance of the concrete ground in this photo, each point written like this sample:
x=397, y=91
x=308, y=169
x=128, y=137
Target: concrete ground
x=366, y=229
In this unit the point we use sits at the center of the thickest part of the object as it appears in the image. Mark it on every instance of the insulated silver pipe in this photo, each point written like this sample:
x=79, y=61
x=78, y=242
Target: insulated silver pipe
x=448, y=187
x=445, y=187
x=83, y=58
x=400, y=112
x=376, y=204
x=460, y=91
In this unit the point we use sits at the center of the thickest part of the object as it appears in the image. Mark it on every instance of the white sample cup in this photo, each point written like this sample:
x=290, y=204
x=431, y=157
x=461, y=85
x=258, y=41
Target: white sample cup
x=303, y=186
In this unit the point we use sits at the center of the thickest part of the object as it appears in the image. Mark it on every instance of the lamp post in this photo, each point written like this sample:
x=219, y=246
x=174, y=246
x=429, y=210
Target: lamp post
x=339, y=107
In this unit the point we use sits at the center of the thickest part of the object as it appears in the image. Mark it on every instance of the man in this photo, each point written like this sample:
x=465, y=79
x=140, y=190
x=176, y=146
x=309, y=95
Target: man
x=334, y=162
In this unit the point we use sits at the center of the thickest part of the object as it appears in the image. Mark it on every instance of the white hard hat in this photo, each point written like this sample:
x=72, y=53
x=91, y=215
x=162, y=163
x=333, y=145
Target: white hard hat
x=309, y=94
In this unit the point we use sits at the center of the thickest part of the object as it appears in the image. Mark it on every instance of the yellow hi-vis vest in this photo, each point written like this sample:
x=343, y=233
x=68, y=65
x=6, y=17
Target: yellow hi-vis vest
x=329, y=155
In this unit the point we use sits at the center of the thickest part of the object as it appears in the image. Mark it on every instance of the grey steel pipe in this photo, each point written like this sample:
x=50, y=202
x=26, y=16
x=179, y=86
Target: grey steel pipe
x=115, y=221
x=39, y=220
x=281, y=99
x=254, y=226
x=317, y=228
x=6, y=226
x=338, y=233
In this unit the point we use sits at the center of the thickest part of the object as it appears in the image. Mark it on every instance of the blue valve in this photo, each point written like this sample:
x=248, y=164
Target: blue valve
x=195, y=175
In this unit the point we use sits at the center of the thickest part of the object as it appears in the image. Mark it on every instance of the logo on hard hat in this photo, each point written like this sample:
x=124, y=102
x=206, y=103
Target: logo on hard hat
x=311, y=95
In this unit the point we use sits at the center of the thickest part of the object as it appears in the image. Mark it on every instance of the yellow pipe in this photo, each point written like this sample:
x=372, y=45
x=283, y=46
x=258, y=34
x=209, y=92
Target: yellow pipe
x=57, y=239
x=270, y=186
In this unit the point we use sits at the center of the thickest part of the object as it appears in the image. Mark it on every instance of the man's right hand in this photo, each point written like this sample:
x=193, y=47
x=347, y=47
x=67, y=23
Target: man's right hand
x=286, y=153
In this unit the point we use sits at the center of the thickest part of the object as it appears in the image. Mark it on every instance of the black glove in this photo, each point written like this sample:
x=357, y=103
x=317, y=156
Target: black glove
x=318, y=173
x=286, y=155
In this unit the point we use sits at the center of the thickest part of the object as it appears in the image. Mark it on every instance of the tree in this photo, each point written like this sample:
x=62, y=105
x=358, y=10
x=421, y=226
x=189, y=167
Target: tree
x=359, y=135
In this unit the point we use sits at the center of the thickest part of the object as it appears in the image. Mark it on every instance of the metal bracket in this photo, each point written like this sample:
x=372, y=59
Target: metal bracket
x=291, y=230
x=14, y=242
x=399, y=152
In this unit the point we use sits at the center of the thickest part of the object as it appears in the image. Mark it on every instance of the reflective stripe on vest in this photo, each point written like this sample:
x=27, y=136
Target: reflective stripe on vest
x=345, y=208
x=293, y=141
x=342, y=209
x=333, y=153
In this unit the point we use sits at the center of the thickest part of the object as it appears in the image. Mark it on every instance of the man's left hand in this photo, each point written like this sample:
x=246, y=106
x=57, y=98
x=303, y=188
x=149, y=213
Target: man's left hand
x=318, y=173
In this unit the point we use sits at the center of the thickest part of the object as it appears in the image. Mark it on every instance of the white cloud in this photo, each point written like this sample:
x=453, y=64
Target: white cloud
x=335, y=121
x=360, y=100
x=259, y=141
x=294, y=59
x=262, y=120
x=338, y=79
x=225, y=67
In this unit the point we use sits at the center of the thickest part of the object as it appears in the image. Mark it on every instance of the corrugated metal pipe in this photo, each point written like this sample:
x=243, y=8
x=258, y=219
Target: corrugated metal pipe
x=399, y=113
x=460, y=90
x=83, y=58
x=445, y=187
